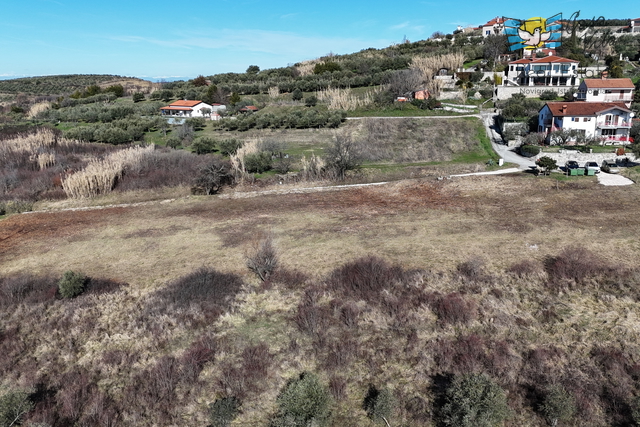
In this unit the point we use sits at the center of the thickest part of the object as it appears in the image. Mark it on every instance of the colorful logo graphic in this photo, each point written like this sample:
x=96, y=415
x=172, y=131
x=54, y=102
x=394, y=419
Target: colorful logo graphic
x=534, y=33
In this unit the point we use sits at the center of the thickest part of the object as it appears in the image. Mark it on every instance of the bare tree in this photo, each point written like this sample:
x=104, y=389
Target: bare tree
x=343, y=155
x=403, y=82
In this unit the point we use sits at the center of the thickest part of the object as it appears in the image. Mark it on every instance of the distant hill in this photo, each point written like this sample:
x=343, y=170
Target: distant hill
x=66, y=84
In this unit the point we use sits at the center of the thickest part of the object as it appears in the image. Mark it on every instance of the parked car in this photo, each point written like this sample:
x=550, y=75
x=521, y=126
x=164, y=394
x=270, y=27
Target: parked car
x=571, y=164
x=609, y=166
x=592, y=166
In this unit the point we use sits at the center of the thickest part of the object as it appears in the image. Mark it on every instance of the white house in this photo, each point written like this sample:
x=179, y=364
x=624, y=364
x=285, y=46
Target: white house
x=552, y=71
x=606, y=90
x=608, y=121
x=493, y=27
x=186, y=109
x=634, y=26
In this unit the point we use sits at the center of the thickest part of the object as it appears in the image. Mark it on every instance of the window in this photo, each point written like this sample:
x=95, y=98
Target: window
x=586, y=119
x=596, y=92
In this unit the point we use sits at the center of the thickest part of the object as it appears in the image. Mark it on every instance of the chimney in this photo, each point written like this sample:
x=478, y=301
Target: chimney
x=564, y=109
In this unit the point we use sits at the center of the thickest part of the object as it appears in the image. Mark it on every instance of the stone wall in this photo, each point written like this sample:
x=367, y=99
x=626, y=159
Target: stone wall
x=564, y=155
x=505, y=92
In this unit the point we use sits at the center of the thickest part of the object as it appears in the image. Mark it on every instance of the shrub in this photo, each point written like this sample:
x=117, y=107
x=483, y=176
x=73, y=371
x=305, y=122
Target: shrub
x=138, y=96
x=575, y=263
x=262, y=259
x=474, y=400
x=13, y=406
x=212, y=177
x=304, y=401
x=548, y=95
x=296, y=95
x=365, y=278
x=378, y=403
x=454, y=309
x=557, y=405
x=223, y=411
x=71, y=284
x=258, y=162
x=228, y=147
x=311, y=101
x=529, y=150
x=547, y=163
x=204, y=145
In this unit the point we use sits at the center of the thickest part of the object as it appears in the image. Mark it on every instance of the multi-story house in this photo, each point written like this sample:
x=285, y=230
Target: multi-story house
x=606, y=90
x=553, y=71
x=493, y=27
x=608, y=122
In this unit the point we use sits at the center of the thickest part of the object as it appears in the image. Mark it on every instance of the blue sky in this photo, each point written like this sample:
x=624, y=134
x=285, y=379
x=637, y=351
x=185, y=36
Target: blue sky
x=179, y=39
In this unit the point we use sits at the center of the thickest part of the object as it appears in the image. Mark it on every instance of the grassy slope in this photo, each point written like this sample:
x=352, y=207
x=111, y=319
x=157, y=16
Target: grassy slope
x=419, y=225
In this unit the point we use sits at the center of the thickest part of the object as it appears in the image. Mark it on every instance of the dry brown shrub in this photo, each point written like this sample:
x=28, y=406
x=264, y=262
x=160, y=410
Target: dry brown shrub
x=525, y=268
x=274, y=92
x=37, y=109
x=575, y=263
x=338, y=387
x=365, y=279
x=345, y=99
x=311, y=317
x=100, y=176
x=428, y=67
x=454, y=309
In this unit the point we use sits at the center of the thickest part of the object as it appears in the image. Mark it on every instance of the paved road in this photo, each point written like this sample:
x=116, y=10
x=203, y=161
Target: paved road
x=488, y=117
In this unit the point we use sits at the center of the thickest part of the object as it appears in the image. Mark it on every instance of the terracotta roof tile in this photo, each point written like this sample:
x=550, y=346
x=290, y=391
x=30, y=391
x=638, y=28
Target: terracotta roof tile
x=185, y=103
x=580, y=108
x=545, y=60
x=625, y=83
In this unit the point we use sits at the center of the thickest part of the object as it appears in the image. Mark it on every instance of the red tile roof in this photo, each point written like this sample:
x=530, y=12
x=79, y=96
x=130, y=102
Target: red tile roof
x=494, y=21
x=545, y=60
x=184, y=103
x=582, y=108
x=625, y=83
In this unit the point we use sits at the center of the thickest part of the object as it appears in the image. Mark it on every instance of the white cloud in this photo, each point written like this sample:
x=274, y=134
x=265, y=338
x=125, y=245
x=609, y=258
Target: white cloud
x=258, y=41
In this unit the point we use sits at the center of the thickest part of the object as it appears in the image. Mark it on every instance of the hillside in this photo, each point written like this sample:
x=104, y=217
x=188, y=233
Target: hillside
x=398, y=289
x=66, y=84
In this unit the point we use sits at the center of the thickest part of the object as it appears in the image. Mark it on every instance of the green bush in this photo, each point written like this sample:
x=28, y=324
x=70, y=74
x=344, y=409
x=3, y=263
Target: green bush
x=303, y=402
x=71, y=284
x=204, y=145
x=13, y=405
x=229, y=147
x=258, y=162
x=548, y=95
x=296, y=95
x=379, y=404
x=138, y=96
x=529, y=150
x=223, y=411
x=474, y=400
x=558, y=405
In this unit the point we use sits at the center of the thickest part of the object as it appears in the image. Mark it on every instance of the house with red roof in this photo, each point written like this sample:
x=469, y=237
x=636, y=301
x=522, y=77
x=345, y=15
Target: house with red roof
x=606, y=90
x=552, y=71
x=187, y=109
x=609, y=122
x=493, y=27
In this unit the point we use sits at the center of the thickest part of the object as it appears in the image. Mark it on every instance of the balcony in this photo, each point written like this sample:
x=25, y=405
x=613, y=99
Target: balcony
x=616, y=98
x=617, y=139
x=613, y=124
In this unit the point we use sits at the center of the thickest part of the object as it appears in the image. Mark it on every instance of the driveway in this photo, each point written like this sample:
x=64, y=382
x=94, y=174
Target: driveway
x=609, y=179
x=509, y=156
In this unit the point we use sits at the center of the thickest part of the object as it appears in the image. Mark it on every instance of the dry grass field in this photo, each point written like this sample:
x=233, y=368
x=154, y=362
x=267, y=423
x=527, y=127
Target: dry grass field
x=453, y=240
